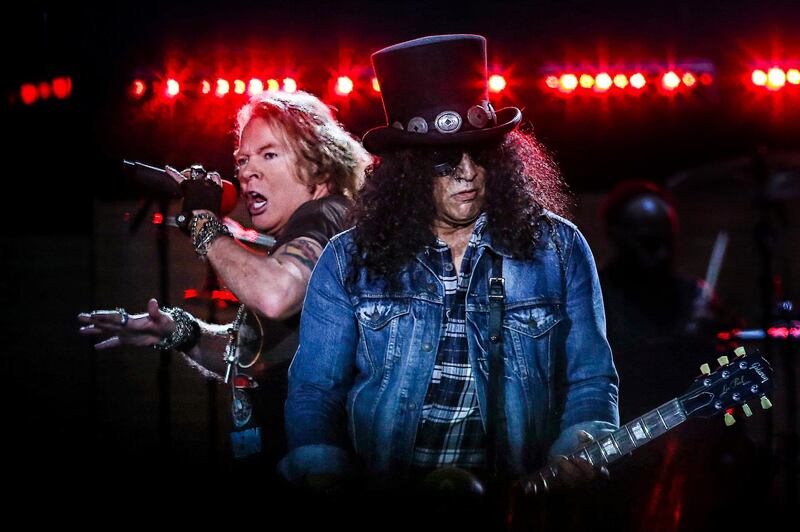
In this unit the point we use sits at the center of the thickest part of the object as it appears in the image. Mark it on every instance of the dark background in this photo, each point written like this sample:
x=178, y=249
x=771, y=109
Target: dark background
x=66, y=239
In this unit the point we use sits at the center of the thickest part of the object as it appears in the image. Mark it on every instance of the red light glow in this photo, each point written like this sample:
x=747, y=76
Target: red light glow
x=344, y=86
x=239, y=86
x=568, y=82
x=706, y=78
x=205, y=87
x=602, y=82
x=621, y=81
x=375, y=85
x=45, y=91
x=223, y=88
x=273, y=85
x=497, y=83
x=670, y=81
x=689, y=79
x=29, y=93
x=551, y=81
x=793, y=76
x=158, y=218
x=289, y=85
x=173, y=88
x=62, y=87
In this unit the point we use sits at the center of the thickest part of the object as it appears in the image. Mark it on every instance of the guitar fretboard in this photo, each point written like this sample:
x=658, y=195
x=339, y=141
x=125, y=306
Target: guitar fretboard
x=627, y=438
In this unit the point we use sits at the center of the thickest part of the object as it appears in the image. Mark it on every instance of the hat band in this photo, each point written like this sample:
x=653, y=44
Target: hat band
x=447, y=122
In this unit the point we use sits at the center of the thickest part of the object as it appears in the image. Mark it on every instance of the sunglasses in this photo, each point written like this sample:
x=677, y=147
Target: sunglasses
x=446, y=161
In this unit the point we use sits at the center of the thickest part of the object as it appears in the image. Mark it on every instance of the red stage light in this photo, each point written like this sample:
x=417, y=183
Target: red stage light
x=670, y=81
x=62, y=87
x=759, y=78
x=706, y=78
x=621, y=81
x=689, y=79
x=602, y=82
x=239, y=86
x=138, y=88
x=586, y=81
x=776, y=79
x=568, y=82
x=173, y=88
x=256, y=86
x=273, y=85
x=344, y=86
x=44, y=90
x=289, y=85
x=223, y=87
x=551, y=81
x=375, y=85
x=29, y=93
x=793, y=76
x=638, y=81
x=158, y=218
x=497, y=83
x=205, y=87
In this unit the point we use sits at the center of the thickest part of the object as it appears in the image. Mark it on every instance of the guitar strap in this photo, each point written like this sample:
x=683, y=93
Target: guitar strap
x=496, y=434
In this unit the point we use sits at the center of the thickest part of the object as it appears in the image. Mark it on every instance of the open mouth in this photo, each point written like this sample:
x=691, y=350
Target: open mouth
x=256, y=203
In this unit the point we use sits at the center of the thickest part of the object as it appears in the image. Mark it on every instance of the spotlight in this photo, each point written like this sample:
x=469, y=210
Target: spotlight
x=793, y=76
x=205, y=87
x=289, y=85
x=602, y=82
x=273, y=85
x=344, y=86
x=29, y=93
x=223, y=88
x=375, y=85
x=239, y=86
x=568, y=82
x=689, y=79
x=62, y=87
x=638, y=81
x=776, y=79
x=138, y=88
x=173, y=88
x=670, y=81
x=497, y=83
x=586, y=81
x=256, y=86
x=621, y=81
x=759, y=78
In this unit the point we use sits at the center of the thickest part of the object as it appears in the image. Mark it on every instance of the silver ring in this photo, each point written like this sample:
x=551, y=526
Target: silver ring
x=123, y=316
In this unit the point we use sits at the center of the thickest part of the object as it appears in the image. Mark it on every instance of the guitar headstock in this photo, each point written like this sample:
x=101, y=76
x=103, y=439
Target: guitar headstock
x=732, y=384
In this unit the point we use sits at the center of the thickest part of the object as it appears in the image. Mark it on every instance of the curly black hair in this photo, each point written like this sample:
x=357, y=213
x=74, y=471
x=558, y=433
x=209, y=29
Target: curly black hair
x=394, y=210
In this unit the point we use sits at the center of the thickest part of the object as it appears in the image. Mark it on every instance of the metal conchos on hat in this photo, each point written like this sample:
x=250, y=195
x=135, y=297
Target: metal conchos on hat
x=418, y=125
x=447, y=122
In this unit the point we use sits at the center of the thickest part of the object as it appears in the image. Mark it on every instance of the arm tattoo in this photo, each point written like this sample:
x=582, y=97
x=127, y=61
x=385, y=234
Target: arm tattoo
x=303, y=251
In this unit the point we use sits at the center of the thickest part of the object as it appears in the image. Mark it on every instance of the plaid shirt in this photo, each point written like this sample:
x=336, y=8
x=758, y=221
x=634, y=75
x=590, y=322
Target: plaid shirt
x=450, y=432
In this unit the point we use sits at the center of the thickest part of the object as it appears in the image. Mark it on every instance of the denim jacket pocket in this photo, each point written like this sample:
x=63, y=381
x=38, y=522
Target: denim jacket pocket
x=379, y=321
x=529, y=331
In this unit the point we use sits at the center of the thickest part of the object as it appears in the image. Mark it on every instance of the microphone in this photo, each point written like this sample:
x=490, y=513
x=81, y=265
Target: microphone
x=157, y=180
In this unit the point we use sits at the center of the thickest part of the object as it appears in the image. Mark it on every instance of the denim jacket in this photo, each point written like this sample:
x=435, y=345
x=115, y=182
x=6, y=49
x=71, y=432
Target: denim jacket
x=367, y=351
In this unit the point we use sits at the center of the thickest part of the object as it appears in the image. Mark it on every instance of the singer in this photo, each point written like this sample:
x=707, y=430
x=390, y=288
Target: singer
x=298, y=169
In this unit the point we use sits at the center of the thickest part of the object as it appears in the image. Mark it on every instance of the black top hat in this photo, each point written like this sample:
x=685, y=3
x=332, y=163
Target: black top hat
x=435, y=92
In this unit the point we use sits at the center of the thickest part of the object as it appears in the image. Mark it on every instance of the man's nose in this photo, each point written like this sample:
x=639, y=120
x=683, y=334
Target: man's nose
x=467, y=170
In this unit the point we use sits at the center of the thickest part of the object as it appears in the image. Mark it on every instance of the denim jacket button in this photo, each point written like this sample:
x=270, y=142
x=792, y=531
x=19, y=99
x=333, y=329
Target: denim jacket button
x=412, y=406
x=427, y=346
x=448, y=267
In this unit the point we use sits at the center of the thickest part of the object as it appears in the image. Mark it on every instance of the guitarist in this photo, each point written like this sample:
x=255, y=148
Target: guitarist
x=298, y=170
x=395, y=375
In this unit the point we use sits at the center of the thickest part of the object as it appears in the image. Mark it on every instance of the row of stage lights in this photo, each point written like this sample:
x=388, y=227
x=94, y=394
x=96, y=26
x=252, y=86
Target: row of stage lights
x=59, y=88
x=221, y=87
x=558, y=81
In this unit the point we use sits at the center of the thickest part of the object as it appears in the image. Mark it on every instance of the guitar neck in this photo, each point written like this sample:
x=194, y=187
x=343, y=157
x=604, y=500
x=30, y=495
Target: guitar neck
x=626, y=439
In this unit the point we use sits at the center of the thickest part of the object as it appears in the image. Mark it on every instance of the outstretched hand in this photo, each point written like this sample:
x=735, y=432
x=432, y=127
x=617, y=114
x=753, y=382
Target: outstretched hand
x=146, y=329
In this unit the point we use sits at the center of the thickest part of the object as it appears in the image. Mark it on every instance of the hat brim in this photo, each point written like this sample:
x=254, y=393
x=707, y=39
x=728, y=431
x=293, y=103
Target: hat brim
x=384, y=138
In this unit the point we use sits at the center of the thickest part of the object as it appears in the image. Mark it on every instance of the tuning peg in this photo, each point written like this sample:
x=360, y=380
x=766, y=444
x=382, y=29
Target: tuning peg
x=729, y=420
x=723, y=360
x=705, y=369
x=766, y=403
x=746, y=410
x=739, y=351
